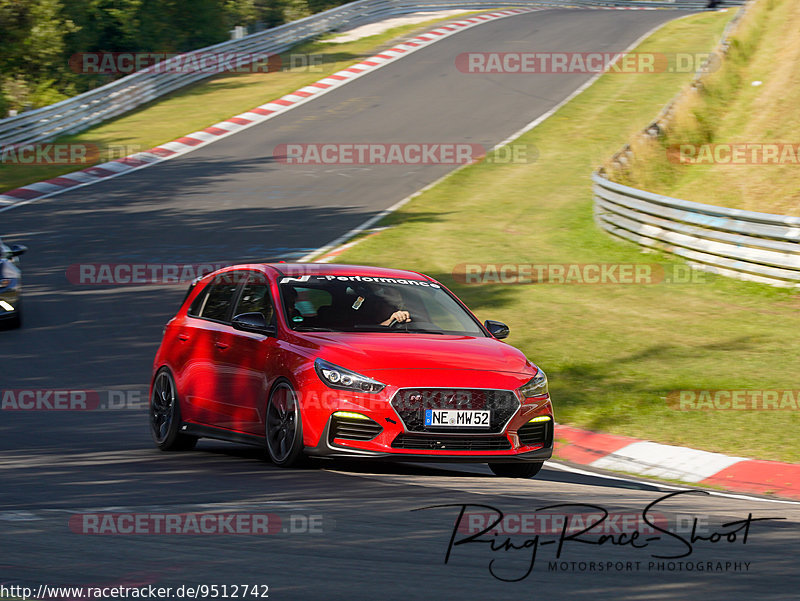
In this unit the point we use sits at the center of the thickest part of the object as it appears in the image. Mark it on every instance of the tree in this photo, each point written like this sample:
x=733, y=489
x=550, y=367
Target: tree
x=31, y=49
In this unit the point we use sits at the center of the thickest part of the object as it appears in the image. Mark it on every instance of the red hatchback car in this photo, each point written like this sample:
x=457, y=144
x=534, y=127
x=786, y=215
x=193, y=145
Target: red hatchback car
x=346, y=361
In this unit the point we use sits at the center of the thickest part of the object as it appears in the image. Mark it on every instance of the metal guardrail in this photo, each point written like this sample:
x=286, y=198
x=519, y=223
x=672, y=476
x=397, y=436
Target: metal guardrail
x=127, y=93
x=760, y=247
x=744, y=244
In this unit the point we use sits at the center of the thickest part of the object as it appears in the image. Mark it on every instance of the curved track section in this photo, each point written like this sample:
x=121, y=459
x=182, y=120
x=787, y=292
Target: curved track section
x=232, y=201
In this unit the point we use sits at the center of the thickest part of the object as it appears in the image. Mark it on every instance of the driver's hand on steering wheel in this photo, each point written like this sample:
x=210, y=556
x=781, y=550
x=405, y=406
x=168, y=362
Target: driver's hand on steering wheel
x=397, y=317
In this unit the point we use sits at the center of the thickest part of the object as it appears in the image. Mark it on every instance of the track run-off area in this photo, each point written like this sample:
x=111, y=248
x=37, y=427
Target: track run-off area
x=338, y=530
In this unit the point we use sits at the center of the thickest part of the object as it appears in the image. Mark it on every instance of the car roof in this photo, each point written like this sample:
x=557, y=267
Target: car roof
x=298, y=269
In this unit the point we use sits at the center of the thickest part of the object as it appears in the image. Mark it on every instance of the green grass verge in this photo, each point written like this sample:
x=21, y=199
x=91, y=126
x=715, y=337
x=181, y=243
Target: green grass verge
x=730, y=109
x=612, y=352
x=211, y=101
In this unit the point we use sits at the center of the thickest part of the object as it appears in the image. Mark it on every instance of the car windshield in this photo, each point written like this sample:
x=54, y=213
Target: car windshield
x=373, y=304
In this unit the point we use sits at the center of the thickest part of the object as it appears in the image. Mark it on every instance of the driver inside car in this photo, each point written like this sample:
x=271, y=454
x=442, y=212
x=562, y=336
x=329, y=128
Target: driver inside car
x=390, y=301
x=363, y=306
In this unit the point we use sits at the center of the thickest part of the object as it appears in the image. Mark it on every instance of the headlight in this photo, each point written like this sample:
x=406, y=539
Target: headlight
x=537, y=386
x=344, y=379
x=4, y=283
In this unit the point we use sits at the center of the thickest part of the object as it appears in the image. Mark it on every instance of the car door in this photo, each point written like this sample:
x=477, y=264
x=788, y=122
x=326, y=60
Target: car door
x=244, y=365
x=203, y=334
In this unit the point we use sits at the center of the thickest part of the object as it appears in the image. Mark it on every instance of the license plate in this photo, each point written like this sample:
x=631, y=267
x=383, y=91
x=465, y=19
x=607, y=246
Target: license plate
x=457, y=418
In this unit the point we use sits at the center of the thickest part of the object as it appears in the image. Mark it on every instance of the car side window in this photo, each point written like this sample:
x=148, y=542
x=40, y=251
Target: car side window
x=215, y=301
x=255, y=298
x=218, y=301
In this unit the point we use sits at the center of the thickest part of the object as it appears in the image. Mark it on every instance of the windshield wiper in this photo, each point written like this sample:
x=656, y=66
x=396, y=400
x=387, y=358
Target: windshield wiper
x=313, y=329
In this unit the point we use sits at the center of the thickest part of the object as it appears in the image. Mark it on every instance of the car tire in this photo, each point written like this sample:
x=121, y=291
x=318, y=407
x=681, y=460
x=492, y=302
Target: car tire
x=283, y=427
x=516, y=470
x=165, y=415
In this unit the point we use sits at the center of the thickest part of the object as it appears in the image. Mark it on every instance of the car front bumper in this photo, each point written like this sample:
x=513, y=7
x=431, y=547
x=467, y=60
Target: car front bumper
x=334, y=449
x=526, y=436
x=9, y=302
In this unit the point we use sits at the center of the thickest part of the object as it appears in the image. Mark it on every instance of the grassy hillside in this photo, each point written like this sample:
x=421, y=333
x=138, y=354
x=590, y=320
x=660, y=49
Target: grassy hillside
x=751, y=99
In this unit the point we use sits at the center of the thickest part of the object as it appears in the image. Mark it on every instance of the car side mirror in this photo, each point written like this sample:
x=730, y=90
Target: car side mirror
x=496, y=328
x=253, y=322
x=17, y=249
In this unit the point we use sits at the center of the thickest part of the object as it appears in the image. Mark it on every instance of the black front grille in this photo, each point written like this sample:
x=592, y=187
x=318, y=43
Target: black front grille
x=411, y=403
x=536, y=433
x=451, y=443
x=353, y=429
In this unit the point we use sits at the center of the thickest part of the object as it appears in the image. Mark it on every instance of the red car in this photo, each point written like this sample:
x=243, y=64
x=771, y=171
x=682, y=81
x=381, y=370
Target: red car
x=346, y=361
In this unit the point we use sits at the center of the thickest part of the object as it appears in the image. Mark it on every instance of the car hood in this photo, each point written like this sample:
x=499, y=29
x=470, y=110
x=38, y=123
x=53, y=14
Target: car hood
x=367, y=353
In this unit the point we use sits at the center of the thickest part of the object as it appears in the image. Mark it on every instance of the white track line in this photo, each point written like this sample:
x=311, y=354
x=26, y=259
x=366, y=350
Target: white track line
x=576, y=470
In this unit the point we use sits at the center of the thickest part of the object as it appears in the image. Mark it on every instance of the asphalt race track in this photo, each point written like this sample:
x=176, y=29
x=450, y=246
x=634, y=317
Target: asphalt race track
x=344, y=531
